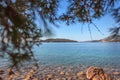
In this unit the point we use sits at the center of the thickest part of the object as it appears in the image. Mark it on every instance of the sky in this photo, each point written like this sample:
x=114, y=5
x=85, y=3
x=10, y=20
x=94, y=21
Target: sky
x=73, y=31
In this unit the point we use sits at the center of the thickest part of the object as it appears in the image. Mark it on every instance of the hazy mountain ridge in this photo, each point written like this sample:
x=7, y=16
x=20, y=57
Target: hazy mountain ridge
x=108, y=39
x=111, y=39
x=58, y=40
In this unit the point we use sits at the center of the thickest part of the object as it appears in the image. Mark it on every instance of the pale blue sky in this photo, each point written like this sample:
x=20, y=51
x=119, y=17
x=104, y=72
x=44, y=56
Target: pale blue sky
x=73, y=31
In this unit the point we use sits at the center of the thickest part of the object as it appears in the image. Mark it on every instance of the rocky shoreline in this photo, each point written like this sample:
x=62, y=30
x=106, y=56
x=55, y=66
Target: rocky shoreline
x=60, y=73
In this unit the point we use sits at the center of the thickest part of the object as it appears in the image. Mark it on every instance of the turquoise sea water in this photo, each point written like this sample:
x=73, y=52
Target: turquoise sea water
x=88, y=54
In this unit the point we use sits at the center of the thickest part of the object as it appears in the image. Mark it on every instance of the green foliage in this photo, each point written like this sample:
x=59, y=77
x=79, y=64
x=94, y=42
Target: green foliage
x=86, y=10
x=18, y=31
x=115, y=31
x=116, y=14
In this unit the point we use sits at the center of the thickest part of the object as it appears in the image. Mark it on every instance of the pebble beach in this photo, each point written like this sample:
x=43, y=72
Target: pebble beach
x=56, y=73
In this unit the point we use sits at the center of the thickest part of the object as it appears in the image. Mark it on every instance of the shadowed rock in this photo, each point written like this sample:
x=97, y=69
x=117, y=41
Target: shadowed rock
x=95, y=73
x=1, y=72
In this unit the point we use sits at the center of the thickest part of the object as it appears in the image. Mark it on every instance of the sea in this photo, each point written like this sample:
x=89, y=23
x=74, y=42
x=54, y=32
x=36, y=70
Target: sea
x=102, y=54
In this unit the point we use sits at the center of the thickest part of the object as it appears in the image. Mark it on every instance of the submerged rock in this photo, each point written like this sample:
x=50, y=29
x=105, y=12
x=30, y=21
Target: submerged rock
x=62, y=73
x=80, y=74
x=50, y=76
x=1, y=78
x=95, y=73
x=1, y=72
x=116, y=73
x=11, y=72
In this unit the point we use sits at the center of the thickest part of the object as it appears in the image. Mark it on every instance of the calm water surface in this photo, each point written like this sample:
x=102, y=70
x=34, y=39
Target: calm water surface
x=88, y=54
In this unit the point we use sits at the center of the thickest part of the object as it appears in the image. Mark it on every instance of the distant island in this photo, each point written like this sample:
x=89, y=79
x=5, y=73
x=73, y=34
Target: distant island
x=58, y=40
x=111, y=39
x=108, y=39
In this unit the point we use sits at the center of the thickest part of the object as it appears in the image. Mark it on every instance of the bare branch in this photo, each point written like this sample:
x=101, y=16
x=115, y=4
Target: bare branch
x=90, y=31
x=97, y=28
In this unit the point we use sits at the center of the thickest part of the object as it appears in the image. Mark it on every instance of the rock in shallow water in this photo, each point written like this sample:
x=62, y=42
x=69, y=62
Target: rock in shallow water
x=80, y=74
x=62, y=73
x=95, y=73
x=1, y=78
x=116, y=73
x=50, y=76
x=1, y=71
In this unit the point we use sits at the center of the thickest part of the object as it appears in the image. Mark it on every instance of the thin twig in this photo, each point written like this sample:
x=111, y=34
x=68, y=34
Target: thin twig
x=97, y=28
x=90, y=31
x=82, y=28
